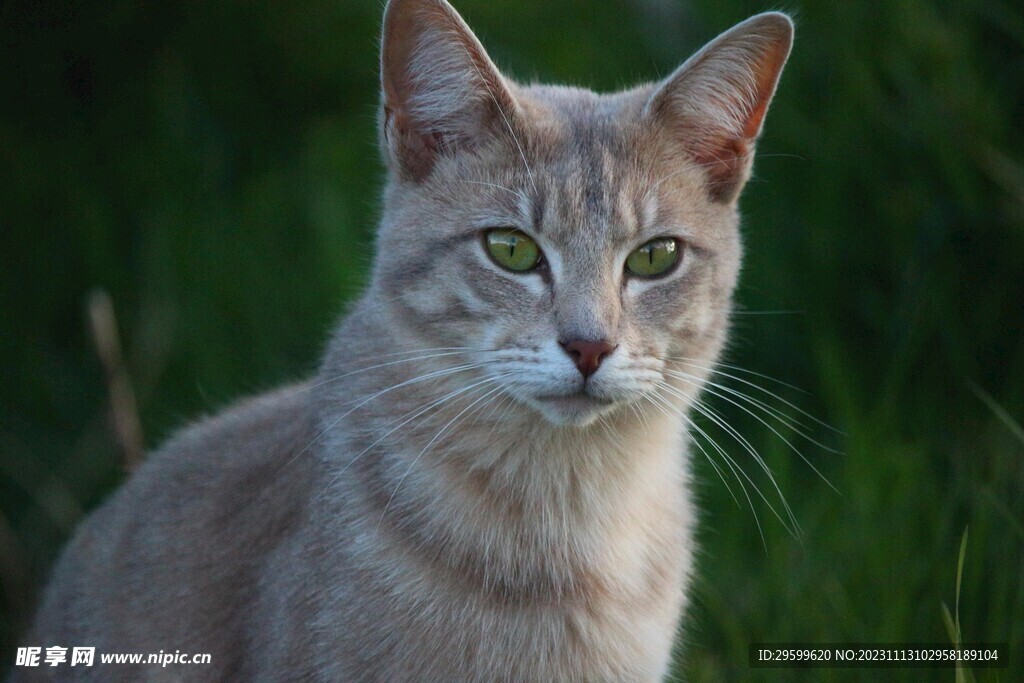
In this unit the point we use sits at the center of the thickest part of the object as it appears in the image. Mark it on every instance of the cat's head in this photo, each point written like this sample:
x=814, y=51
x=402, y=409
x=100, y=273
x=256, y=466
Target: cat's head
x=574, y=240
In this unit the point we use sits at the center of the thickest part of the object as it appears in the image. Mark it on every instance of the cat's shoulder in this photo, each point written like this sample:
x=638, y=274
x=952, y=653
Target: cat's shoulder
x=251, y=449
x=274, y=421
x=221, y=492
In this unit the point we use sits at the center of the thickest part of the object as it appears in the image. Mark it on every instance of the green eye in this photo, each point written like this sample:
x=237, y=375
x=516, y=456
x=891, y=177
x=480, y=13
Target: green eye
x=512, y=249
x=653, y=258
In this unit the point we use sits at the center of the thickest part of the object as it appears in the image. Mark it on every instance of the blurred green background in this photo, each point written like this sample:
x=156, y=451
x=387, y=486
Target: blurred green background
x=213, y=166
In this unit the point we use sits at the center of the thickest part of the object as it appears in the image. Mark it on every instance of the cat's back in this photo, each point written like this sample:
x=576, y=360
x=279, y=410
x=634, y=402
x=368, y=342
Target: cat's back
x=174, y=559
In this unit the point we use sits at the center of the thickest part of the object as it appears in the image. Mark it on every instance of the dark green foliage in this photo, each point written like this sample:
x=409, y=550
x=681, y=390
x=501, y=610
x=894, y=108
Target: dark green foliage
x=213, y=165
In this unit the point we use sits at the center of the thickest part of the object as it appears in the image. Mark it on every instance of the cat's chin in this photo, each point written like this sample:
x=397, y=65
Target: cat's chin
x=576, y=410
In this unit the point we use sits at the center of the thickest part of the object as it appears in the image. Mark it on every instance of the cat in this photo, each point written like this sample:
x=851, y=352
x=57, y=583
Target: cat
x=488, y=478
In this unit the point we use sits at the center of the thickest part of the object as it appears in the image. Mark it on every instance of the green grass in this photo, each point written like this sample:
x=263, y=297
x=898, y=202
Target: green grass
x=963, y=673
x=213, y=166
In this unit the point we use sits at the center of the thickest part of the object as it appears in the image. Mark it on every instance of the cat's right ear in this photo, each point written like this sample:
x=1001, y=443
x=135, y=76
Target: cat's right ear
x=440, y=91
x=715, y=103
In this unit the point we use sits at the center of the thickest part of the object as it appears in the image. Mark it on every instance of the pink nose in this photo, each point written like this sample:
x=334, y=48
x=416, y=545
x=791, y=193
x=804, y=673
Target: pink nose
x=587, y=355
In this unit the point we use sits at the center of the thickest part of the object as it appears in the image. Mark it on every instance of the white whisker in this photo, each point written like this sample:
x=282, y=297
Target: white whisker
x=739, y=438
x=721, y=475
x=445, y=351
x=517, y=193
x=788, y=421
x=733, y=467
x=427, y=448
x=762, y=389
x=694, y=381
x=336, y=421
x=409, y=417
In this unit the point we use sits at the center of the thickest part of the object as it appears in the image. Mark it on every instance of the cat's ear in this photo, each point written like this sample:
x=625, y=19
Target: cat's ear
x=714, y=104
x=440, y=90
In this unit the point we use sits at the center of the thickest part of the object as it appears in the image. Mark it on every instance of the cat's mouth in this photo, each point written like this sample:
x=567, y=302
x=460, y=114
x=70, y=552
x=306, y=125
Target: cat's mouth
x=577, y=408
x=577, y=398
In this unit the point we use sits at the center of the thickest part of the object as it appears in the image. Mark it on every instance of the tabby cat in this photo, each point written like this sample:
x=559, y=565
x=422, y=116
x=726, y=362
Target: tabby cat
x=488, y=478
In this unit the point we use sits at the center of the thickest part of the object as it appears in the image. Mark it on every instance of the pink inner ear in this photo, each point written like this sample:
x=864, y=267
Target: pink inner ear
x=767, y=71
x=724, y=162
x=756, y=118
x=722, y=153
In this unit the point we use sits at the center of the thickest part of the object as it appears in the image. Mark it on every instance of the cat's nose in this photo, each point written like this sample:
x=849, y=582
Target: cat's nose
x=587, y=355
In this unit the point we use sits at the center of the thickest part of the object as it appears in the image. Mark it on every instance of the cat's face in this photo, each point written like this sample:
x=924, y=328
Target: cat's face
x=574, y=241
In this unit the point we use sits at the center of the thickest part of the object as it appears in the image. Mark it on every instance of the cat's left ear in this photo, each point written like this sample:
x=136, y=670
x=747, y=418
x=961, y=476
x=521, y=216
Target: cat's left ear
x=440, y=91
x=715, y=103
